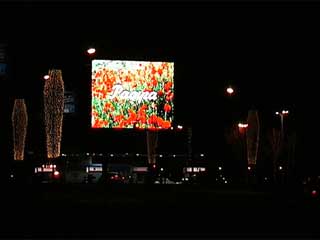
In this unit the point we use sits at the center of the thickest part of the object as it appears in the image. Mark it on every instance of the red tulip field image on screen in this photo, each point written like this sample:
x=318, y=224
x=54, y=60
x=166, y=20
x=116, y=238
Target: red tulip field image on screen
x=132, y=94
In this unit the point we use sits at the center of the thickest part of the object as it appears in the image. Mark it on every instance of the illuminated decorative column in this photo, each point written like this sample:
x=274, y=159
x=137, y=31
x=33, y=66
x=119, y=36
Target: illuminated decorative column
x=19, y=124
x=53, y=112
x=253, y=132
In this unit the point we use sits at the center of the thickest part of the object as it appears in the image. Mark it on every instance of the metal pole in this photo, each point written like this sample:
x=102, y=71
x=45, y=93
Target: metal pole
x=282, y=130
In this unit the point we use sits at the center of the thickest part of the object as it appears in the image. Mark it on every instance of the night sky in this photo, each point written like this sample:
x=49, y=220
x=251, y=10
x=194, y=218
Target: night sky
x=268, y=52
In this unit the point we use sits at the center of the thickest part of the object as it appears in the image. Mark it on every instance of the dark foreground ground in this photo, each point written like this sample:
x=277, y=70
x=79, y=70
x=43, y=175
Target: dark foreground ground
x=156, y=211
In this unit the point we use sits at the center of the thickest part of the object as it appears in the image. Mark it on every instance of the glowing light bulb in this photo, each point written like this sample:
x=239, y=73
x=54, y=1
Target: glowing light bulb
x=91, y=51
x=230, y=90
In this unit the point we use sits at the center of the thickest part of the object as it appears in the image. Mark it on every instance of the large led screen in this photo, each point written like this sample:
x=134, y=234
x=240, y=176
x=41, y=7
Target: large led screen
x=132, y=94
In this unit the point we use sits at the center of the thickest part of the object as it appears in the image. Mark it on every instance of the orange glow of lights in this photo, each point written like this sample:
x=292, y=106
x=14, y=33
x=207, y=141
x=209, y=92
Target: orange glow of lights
x=53, y=94
x=19, y=124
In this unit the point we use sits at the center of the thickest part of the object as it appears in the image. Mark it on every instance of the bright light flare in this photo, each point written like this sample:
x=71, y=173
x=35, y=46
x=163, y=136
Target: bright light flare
x=242, y=125
x=91, y=51
x=283, y=112
x=230, y=90
x=314, y=193
x=46, y=77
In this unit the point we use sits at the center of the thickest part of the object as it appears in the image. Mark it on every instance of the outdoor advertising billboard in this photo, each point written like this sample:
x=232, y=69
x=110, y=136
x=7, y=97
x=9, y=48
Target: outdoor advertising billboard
x=132, y=94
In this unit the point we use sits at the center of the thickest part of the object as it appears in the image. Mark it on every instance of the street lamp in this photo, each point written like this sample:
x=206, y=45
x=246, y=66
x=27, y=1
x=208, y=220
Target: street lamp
x=242, y=127
x=230, y=90
x=242, y=130
x=282, y=114
x=179, y=127
x=91, y=51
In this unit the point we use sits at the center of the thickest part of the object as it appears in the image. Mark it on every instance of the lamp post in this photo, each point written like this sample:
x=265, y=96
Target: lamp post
x=242, y=127
x=91, y=51
x=230, y=91
x=282, y=114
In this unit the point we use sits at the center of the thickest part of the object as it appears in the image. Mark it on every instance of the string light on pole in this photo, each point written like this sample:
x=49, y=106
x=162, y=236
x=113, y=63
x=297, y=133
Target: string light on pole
x=53, y=112
x=19, y=125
